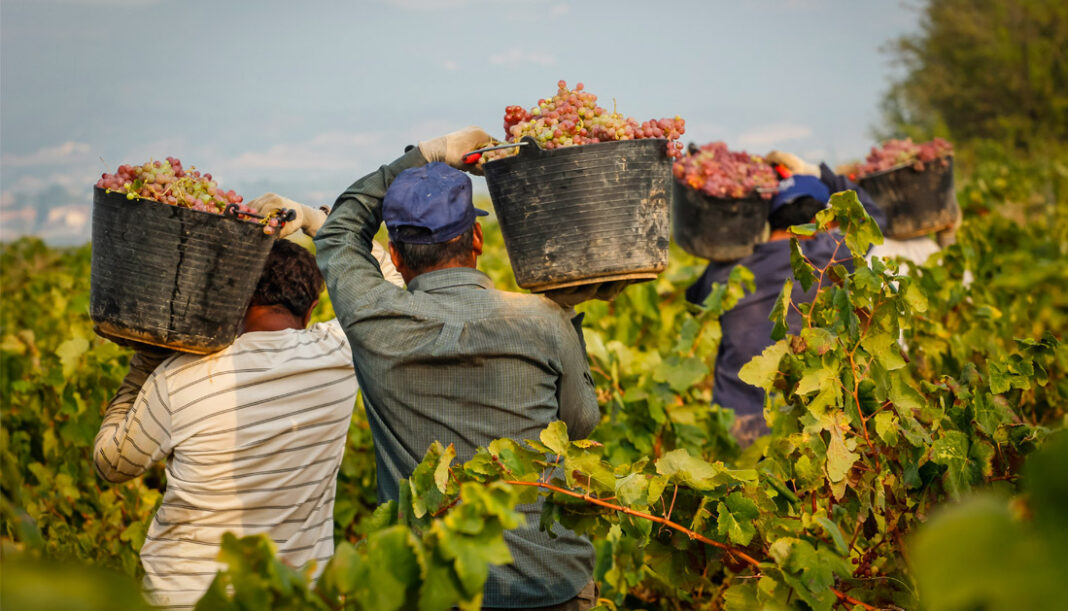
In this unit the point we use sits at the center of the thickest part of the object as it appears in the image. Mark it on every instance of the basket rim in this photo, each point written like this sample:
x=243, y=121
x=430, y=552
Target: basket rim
x=545, y=151
x=188, y=210
x=902, y=166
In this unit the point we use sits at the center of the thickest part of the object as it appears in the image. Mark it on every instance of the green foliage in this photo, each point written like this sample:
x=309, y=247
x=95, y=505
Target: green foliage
x=983, y=69
x=996, y=553
x=900, y=392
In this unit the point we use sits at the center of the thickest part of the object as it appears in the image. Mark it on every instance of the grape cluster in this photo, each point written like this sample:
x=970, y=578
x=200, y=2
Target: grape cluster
x=572, y=117
x=900, y=153
x=169, y=183
x=719, y=172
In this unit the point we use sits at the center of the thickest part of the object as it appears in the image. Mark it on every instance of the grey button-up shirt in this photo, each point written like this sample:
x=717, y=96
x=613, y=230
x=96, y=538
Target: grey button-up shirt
x=452, y=359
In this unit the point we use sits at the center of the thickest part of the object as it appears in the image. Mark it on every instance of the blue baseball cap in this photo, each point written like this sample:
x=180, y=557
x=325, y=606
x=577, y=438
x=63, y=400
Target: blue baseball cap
x=430, y=204
x=796, y=187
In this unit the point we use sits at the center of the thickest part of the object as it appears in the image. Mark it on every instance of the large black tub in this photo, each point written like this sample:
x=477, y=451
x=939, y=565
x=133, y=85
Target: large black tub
x=584, y=214
x=916, y=202
x=718, y=228
x=170, y=276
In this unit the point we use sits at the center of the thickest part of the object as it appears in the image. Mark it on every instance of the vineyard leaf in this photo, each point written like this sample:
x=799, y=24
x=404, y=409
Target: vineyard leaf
x=801, y=267
x=681, y=374
x=915, y=298
x=688, y=470
x=736, y=518
x=472, y=555
x=839, y=457
x=70, y=352
x=426, y=496
x=884, y=349
x=762, y=370
x=780, y=311
x=951, y=451
x=742, y=597
x=440, y=589
x=835, y=533
x=555, y=437
x=441, y=472
x=818, y=339
x=886, y=427
x=904, y=396
x=390, y=571
x=134, y=534
x=588, y=470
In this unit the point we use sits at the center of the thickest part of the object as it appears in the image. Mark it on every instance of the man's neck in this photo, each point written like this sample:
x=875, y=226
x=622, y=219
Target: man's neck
x=269, y=318
x=472, y=264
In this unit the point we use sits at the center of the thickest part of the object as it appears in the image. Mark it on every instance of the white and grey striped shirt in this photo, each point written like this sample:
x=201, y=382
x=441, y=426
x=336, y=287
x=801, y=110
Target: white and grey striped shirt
x=253, y=436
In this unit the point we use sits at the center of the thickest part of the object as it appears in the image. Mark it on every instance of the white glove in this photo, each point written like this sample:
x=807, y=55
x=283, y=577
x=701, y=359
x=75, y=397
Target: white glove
x=309, y=219
x=389, y=272
x=795, y=164
x=451, y=147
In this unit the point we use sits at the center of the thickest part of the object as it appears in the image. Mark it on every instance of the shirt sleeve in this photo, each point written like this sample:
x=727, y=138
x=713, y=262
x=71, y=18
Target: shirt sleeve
x=135, y=433
x=575, y=391
x=344, y=247
x=837, y=183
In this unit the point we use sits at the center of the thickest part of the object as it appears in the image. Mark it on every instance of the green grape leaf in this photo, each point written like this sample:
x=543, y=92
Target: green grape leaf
x=736, y=518
x=799, y=264
x=780, y=311
x=884, y=349
x=951, y=451
x=682, y=468
x=762, y=370
x=840, y=457
x=681, y=373
x=555, y=437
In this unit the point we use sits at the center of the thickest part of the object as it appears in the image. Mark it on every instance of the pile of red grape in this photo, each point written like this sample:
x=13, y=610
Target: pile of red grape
x=573, y=117
x=900, y=153
x=169, y=183
x=719, y=172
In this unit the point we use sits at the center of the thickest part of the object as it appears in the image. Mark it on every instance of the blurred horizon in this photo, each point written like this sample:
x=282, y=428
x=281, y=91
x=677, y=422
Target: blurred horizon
x=302, y=99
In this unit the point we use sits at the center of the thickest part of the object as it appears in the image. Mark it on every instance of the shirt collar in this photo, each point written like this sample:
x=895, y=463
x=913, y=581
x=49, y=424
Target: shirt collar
x=450, y=277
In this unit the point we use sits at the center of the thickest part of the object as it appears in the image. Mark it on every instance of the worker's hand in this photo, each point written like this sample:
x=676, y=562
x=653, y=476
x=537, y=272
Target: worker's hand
x=307, y=218
x=573, y=295
x=795, y=164
x=450, y=148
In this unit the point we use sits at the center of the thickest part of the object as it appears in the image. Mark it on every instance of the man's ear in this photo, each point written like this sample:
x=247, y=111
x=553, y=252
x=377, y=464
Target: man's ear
x=308, y=314
x=476, y=243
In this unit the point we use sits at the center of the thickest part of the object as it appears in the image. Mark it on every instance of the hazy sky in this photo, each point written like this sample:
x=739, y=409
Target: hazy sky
x=302, y=97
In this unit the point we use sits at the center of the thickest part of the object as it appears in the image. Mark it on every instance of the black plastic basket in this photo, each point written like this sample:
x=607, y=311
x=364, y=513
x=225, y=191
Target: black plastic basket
x=916, y=202
x=583, y=214
x=717, y=228
x=170, y=276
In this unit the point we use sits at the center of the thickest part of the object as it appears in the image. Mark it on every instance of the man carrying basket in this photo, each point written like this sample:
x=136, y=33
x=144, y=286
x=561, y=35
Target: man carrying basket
x=452, y=359
x=253, y=435
x=746, y=327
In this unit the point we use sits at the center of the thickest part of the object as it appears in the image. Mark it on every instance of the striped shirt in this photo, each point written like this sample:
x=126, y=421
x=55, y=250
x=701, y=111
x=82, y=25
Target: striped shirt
x=253, y=436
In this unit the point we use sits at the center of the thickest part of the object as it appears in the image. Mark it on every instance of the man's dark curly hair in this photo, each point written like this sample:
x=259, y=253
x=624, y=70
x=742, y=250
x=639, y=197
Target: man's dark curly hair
x=290, y=279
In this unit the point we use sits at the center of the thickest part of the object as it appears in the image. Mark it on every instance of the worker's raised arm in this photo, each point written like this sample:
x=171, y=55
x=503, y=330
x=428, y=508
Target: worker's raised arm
x=344, y=244
x=135, y=432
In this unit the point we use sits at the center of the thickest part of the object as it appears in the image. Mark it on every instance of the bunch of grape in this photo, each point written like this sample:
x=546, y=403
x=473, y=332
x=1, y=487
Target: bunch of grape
x=719, y=172
x=572, y=117
x=169, y=183
x=900, y=153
